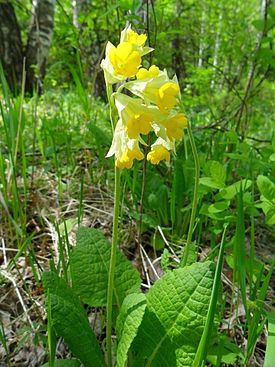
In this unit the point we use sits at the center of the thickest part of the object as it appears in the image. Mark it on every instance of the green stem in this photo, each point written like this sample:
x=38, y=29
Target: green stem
x=195, y=197
x=112, y=268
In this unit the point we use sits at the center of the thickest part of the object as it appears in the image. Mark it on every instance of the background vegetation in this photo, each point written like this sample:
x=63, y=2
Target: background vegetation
x=55, y=133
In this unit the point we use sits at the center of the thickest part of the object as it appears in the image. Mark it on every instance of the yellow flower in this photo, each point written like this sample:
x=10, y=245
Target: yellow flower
x=168, y=95
x=157, y=154
x=125, y=59
x=124, y=149
x=139, y=123
x=154, y=86
x=136, y=117
x=127, y=158
x=133, y=37
x=146, y=74
x=174, y=126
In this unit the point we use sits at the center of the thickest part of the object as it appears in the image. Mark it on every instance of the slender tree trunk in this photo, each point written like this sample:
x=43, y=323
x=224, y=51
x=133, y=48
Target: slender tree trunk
x=240, y=125
x=11, y=49
x=39, y=41
x=202, y=35
x=177, y=59
x=217, y=46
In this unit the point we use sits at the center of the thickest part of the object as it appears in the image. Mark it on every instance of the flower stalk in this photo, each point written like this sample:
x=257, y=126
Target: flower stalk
x=195, y=197
x=150, y=108
x=112, y=268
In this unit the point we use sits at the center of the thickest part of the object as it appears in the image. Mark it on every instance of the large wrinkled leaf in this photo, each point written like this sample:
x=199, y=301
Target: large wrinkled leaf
x=128, y=322
x=176, y=312
x=90, y=261
x=70, y=321
x=152, y=346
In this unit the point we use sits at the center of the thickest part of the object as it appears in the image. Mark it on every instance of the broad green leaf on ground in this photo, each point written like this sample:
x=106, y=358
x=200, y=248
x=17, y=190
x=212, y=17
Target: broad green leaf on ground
x=230, y=191
x=180, y=301
x=70, y=321
x=269, y=210
x=209, y=182
x=217, y=174
x=218, y=207
x=270, y=216
x=90, y=261
x=64, y=363
x=266, y=187
x=128, y=322
x=177, y=306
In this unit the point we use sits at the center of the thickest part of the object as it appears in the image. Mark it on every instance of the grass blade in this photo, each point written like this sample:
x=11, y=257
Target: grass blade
x=204, y=342
x=270, y=349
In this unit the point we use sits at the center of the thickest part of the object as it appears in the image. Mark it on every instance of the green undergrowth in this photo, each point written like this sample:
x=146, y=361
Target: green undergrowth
x=54, y=153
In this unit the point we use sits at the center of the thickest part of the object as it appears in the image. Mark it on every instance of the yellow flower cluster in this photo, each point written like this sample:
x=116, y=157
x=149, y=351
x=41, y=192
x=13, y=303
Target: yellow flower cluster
x=151, y=108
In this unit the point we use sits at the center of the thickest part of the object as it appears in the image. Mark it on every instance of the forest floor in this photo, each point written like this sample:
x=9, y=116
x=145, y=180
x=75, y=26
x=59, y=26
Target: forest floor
x=51, y=218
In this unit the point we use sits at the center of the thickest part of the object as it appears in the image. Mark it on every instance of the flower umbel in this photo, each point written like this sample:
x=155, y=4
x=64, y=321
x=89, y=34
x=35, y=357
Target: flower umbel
x=151, y=108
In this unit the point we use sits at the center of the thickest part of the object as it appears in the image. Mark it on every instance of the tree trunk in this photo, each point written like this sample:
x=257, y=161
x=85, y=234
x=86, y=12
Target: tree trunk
x=39, y=41
x=202, y=35
x=217, y=46
x=11, y=50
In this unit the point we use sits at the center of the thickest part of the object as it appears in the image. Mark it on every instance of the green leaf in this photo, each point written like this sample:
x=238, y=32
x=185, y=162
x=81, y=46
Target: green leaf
x=90, y=261
x=70, y=321
x=228, y=351
x=152, y=346
x=217, y=174
x=266, y=187
x=209, y=182
x=270, y=350
x=230, y=191
x=64, y=363
x=185, y=356
x=259, y=24
x=200, y=357
x=173, y=324
x=128, y=322
x=133, y=5
x=218, y=207
x=266, y=55
x=270, y=216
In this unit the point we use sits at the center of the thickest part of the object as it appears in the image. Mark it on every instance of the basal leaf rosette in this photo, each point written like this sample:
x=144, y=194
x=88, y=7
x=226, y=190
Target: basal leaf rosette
x=123, y=61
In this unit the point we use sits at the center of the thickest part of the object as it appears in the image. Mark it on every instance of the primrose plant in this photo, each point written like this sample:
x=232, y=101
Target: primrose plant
x=171, y=324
